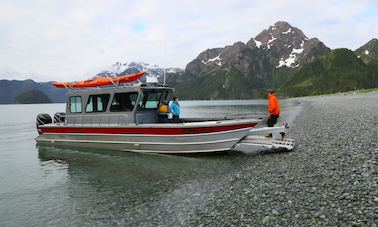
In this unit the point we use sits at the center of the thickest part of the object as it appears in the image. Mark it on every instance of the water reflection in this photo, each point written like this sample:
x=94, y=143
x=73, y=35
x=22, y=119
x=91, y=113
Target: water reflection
x=125, y=184
x=134, y=168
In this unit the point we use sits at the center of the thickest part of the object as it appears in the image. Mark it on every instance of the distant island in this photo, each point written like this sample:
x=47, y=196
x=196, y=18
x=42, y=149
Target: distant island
x=32, y=96
x=10, y=89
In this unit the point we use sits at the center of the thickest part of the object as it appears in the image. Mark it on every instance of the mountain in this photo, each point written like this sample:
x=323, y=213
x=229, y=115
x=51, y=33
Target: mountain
x=338, y=71
x=288, y=46
x=369, y=51
x=9, y=89
x=246, y=70
x=32, y=96
x=119, y=69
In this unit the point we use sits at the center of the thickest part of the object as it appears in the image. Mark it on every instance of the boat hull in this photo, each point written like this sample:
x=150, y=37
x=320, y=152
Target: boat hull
x=175, y=139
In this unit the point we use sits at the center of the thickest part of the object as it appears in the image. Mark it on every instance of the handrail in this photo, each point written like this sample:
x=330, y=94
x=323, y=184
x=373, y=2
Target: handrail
x=118, y=119
x=113, y=87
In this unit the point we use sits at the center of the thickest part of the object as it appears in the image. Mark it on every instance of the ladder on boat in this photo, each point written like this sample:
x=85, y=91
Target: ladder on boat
x=258, y=140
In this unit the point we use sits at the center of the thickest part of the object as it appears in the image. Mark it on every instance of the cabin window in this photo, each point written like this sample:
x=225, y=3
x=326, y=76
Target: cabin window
x=97, y=103
x=75, y=104
x=165, y=97
x=150, y=100
x=123, y=101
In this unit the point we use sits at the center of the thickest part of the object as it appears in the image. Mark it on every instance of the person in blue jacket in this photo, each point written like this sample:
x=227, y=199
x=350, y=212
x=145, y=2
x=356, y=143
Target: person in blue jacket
x=175, y=110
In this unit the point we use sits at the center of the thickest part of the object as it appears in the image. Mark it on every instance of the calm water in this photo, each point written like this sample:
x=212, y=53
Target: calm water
x=56, y=186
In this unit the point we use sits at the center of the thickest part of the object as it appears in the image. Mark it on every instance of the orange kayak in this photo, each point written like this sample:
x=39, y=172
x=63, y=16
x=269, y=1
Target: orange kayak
x=98, y=82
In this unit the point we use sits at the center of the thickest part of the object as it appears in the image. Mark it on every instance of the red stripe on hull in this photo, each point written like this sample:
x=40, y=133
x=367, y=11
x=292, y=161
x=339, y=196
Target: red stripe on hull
x=150, y=131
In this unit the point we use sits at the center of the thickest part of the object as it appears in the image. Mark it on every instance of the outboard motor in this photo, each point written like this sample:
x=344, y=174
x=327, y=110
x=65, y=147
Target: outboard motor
x=59, y=117
x=43, y=119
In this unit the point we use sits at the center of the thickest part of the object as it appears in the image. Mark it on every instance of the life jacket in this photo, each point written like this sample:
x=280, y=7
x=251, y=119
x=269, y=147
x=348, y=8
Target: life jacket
x=163, y=109
x=273, y=106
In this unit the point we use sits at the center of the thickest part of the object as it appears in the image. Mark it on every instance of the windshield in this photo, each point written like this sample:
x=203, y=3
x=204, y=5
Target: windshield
x=150, y=100
x=123, y=101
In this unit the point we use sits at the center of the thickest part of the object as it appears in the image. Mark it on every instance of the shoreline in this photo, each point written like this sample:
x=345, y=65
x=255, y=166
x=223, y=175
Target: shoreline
x=329, y=178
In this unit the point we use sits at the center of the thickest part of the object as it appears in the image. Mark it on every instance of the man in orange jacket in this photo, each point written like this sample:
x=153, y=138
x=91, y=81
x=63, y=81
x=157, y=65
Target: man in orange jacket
x=274, y=109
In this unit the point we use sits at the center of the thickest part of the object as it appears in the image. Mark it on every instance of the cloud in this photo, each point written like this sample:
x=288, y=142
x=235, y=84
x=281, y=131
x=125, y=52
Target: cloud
x=71, y=40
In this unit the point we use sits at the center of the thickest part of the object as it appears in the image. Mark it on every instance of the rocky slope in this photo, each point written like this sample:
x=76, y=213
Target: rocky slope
x=369, y=51
x=288, y=46
x=245, y=70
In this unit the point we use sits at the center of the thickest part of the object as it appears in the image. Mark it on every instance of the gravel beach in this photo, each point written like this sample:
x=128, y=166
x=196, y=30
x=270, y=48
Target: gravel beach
x=329, y=179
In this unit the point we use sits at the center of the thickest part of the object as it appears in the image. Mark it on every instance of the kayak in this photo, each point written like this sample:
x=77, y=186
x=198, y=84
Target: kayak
x=100, y=81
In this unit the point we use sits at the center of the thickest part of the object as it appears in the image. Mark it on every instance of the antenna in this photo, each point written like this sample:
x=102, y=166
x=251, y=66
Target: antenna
x=165, y=69
x=165, y=60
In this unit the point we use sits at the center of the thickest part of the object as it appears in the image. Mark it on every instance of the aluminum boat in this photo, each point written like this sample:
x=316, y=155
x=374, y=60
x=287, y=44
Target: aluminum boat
x=125, y=117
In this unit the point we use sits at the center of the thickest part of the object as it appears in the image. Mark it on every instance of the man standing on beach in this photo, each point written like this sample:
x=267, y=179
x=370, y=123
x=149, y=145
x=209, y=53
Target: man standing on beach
x=274, y=109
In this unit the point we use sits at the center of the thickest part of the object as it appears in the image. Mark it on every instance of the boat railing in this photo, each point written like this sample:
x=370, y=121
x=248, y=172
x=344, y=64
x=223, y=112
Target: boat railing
x=109, y=87
x=119, y=86
x=98, y=119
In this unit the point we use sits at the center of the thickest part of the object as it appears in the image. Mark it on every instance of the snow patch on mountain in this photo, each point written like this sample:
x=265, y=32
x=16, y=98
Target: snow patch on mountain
x=258, y=43
x=271, y=40
x=290, y=61
x=217, y=60
x=119, y=68
x=297, y=51
x=287, y=32
x=171, y=70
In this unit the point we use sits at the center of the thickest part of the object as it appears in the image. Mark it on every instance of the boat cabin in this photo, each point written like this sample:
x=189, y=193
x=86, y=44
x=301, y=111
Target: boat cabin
x=116, y=105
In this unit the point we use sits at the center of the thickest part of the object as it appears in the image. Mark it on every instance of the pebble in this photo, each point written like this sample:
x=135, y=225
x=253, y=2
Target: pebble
x=265, y=220
x=328, y=180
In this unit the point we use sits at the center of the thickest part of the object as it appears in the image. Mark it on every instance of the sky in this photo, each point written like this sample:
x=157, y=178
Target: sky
x=54, y=40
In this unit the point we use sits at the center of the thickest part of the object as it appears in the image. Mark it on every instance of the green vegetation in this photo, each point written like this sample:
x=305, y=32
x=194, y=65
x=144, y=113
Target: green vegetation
x=32, y=96
x=224, y=83
x=369, y=51
x=338, y=71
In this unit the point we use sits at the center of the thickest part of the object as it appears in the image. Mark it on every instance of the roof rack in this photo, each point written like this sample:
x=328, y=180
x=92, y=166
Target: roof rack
x=120, y=86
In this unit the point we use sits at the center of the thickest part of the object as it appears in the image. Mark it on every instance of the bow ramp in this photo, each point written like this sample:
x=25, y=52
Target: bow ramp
x=258, y=139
